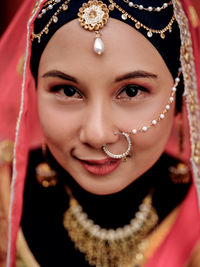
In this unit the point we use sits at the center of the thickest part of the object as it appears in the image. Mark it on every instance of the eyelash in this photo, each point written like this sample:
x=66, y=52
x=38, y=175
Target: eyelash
x=59, y=90
x=130, y=94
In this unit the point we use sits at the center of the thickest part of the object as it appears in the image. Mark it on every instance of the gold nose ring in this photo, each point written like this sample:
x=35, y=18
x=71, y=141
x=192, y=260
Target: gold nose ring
x=119, y=156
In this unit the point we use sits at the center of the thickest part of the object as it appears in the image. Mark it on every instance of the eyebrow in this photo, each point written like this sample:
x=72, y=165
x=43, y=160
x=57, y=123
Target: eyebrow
x=130, y=75
x=136, y=74
x=59, y=74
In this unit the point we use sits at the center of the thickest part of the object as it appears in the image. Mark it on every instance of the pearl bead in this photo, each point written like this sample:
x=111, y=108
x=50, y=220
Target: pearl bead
x=139, y=215
x=119, y=233
x=50, y=6
x=76, y=209
x=158, y=9
x=130, y=4
x=141, y=7
x=98, y=46
x=103, y=233
x=154, y=122
x=149, y=34
x=174, y=89
x=127, y=230
x=165, y=5
x=124, y=16
x=134, y=131
x=136, y=225
x=111, y=234
x=82, y=216
x=55, y=19
x=150, y=8
x=171, y=99
x=162, y=116
x=144, y=128
x=177, y=80
x=43, y=11
x=144, y=207
x=167, y=107
x=95, y=229
x=39, y=16
x=88, y=223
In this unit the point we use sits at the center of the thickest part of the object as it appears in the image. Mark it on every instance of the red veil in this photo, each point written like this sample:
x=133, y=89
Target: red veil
x=17, y=84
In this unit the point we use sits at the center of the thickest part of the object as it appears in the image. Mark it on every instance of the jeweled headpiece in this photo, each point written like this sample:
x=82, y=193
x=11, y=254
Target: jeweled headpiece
x=156, y=23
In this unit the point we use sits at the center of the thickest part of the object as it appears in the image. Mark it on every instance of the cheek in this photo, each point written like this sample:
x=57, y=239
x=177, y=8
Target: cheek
x=58, y=126
x=150, y=145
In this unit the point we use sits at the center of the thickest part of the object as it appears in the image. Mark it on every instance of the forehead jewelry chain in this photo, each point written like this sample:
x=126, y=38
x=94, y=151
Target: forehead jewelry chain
x=149, y=8
x=125, y=15
x=144, y=128
x=48, y=6
x=93, y=16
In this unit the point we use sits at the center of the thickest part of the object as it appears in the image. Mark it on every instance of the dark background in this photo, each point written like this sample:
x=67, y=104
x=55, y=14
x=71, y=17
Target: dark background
x=7, y=11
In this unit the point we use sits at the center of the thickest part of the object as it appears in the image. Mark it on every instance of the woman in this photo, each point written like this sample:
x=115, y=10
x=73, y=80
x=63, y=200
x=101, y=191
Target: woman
x=106, y=109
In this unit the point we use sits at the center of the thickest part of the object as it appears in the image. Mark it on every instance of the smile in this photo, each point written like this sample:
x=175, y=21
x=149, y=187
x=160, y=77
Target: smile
x=100, y=167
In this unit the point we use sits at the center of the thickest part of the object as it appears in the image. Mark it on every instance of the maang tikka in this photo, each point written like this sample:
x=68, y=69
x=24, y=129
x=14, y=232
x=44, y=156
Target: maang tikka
x=93, y=16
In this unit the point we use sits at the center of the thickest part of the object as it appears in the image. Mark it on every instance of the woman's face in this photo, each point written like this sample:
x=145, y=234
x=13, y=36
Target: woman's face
x=84, y=98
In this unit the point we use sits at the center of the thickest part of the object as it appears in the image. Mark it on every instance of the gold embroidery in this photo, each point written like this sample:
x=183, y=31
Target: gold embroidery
x=193, y=16
x=6, y=151
x=191, y=91
x=20, y=66
x=36, y=6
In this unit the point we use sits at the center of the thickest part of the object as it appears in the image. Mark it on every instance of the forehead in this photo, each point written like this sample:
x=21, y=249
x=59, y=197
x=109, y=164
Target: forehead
x=124, y=46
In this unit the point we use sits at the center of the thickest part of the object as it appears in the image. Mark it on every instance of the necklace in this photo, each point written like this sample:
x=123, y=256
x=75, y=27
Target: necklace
x=109, y=247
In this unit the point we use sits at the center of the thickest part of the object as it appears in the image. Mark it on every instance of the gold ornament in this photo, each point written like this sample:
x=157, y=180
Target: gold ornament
x=93, y=16
x=109, y=247
x=6, y=151
x=45, y=175
x=180, y=174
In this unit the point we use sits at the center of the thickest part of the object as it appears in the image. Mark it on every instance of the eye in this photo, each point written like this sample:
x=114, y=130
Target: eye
x=130, y=91
x=69, y=90
x=66, y=91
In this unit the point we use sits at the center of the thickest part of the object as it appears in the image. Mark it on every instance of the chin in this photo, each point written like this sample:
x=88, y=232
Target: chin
x=104, y=186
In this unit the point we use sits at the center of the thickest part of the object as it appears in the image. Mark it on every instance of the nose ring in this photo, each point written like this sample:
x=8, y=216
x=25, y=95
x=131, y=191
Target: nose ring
x=119, y=156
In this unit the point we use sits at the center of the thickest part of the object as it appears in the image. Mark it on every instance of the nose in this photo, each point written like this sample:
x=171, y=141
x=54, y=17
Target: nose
x=98, y=126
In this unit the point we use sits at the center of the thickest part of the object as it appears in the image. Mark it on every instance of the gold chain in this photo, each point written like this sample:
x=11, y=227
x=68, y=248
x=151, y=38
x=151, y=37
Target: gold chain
x=54, y=19
x=138, y=24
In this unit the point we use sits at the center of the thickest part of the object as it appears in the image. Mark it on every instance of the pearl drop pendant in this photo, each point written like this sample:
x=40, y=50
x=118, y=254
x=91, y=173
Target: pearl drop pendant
x=98, y=46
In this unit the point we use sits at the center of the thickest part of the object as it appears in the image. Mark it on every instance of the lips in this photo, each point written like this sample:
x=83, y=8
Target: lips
x=100, y=167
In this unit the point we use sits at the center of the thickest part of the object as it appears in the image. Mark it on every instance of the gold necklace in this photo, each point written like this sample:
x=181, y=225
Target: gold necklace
x=109, y=247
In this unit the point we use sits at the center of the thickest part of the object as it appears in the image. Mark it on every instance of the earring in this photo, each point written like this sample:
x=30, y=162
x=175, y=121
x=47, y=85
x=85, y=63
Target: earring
x=180, y=173
x=45, y=176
